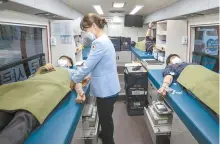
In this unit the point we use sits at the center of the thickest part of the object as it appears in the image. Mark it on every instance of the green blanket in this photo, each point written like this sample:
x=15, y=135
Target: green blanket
x=141, y=45
x=38, y=95
x=203, y=83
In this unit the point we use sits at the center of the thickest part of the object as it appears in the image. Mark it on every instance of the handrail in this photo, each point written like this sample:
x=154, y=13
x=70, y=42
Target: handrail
x=12, y=64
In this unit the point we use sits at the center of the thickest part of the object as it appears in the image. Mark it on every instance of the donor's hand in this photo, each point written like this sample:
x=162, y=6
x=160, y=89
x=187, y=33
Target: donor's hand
x=162, y=91
x=49, y=67
x=46, y=68
x=80, y=97
x=80, y=93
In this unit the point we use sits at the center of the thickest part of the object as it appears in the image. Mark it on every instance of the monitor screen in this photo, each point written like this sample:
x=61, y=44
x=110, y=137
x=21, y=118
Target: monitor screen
x=128, y=22
x=138, y=21
x=133, y=20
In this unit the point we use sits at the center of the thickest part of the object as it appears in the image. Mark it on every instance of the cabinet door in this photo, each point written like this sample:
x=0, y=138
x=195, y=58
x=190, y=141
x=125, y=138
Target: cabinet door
x=123, y=56
x=152, y=92
x=117, y=56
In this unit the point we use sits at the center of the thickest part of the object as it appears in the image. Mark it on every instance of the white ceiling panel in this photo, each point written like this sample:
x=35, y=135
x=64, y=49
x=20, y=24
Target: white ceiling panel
x=150, y=6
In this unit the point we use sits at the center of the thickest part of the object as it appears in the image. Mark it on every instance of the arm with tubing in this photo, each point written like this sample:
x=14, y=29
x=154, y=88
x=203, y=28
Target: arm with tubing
x=168, y=79
x=171, y=73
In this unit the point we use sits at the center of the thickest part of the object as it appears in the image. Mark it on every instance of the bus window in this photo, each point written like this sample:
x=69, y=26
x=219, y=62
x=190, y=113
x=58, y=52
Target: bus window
x=207, y=40
x=21, y=52
x=19, y=42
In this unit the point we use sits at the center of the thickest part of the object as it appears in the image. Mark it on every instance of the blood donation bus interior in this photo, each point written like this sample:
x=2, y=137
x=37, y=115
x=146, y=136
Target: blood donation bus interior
x=165, y=52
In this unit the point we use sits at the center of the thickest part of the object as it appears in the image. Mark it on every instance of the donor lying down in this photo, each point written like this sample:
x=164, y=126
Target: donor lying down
x=25, y=105
x=196, y=79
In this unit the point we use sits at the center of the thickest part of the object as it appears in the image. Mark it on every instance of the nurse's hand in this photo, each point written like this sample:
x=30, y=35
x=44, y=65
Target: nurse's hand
x=162, y=91
x=87, y=78
x=85, y=81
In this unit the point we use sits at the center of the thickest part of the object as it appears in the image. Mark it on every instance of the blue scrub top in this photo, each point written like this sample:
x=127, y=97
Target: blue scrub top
x=101, y=63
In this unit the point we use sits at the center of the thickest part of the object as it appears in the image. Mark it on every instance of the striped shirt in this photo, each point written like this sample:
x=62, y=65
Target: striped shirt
x=175, y=69
x=150, y=44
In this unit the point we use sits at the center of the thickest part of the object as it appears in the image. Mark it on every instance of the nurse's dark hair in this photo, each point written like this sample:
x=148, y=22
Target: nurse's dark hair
x=91, y=18
x=67, y=57
x=169, y=57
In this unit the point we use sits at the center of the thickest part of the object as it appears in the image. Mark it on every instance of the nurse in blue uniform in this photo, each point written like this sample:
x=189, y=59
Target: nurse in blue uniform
x=101, y=64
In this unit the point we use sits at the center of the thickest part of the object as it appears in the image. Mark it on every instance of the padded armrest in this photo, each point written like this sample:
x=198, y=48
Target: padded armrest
x=141, y=54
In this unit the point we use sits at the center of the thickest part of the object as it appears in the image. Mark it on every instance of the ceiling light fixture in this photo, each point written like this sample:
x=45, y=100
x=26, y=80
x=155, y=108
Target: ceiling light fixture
x=118, y=5
x=98, y=9
x=136, y=9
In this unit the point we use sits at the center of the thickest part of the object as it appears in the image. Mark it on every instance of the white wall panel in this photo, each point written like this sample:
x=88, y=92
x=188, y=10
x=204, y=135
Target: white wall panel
x=182, y=7
x=142, y=31
x=120, y=30
x=115, y=29
x=130, y=32
x=68, y=49
x=57, y=7
x=22, y=18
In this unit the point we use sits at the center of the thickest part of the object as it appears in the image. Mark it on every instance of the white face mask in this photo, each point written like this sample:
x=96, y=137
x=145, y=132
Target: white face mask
x=176, y=60
x=90, y=35
x=62, y=63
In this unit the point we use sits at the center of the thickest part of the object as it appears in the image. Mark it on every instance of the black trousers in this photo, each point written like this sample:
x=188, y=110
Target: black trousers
x=16, y=127
x=105, y=108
